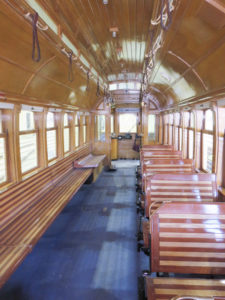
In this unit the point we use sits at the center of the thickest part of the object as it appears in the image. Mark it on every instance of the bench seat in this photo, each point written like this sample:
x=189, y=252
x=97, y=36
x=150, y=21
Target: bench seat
x=89, y=161
x=169, y=288
x=18, y=238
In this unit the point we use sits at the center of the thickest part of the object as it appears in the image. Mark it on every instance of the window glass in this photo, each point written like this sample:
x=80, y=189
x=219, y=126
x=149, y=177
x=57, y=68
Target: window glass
x=50, y=120
x=66, y=120
x=128, y=123
x=84, y=134
x=26, y=120
x=113, y=87
x=112, y=124
x=122, y=86
x=28, y=151
x=28, y=141
x=66, y=139
x=51, y=144
x=191, y=144
x=151, y=127
x=76, y=119
x=180, y=138
x=1, y=129
x=207, y=152
x=192, y=122
x=101, y=128
x=76, y=136
x=2, y=160
x=208, y=119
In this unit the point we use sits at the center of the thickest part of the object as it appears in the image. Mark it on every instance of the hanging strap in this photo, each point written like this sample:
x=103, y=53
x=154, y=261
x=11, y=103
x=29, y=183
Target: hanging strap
x=169, y=14
x=70, y=71
x=98, y=89
x=35, y=39
x=88, y=81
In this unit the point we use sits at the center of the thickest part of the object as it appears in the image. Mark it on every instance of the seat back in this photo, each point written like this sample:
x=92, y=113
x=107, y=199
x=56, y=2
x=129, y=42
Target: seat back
x=174, y=288
x=157, y=147
x=145, y=155
x=188, y=238
x=155, y=166
x=179, y=187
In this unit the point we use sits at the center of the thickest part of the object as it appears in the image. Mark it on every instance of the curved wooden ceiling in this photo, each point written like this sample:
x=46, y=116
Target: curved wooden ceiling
x=188, y=65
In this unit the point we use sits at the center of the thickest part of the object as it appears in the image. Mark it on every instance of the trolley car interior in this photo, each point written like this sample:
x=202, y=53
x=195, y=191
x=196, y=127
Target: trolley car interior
x=112, y=149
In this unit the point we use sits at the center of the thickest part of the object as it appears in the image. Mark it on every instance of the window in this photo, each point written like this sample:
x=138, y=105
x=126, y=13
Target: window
x=51, y=136
x=207, y=141
x=3, y=170
x=112, y=124
x=176, y=130
x=100, y=127
x=151, y=127
x=191, y=136
x=77, y=129
x=84, y=129
x=170, y=129
x=128, y=123
x=180, y=134
x=66, y=133
x=28, y=141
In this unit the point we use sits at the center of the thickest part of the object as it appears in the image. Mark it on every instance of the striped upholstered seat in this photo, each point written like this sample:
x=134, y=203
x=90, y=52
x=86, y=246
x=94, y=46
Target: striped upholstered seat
x=179, y=187
x=188, y=238
x=172, y=288
x=159, y=154
x=155, y=166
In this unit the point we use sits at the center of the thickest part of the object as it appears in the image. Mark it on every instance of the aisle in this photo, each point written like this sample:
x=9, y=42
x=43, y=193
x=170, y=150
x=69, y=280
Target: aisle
x=89, y=252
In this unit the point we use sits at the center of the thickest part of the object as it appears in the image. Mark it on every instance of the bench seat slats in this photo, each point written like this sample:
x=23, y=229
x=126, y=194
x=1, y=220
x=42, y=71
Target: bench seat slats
x=181, y=251
x=23, y=233
x=180, y=187
x=89, y=161
x=168, y=288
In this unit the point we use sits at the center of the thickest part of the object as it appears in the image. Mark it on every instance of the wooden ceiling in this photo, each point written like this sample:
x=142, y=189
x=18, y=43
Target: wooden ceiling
x=189, y=64
x=89, y=22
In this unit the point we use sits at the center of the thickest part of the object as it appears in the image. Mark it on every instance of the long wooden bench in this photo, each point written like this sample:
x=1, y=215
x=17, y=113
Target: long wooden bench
x=188, y=238
x=29, y=207
x=169, y=288
x=162, y=188
x=95, y=162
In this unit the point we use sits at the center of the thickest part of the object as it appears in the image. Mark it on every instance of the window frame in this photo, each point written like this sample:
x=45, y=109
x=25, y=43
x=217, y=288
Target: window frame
x=4, y=136
x=76, y=126
x=191, y=128
x=66, y=127
x=24, y=132
x=208, y=132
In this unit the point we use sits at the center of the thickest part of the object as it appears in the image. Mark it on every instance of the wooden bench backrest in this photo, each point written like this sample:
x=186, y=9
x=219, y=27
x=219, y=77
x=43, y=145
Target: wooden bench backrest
x=159, y=154
x=168, y=288
x=179, y=187
x=157, y=147
x=155, y=166
x=188, y=238
x=23, y=194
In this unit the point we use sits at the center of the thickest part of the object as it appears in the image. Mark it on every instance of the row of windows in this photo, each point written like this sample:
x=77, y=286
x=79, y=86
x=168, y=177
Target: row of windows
x=185, y=134
x=30, y=140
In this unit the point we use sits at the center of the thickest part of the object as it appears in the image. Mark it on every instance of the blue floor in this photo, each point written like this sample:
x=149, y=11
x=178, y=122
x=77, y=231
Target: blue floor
x=89, y=252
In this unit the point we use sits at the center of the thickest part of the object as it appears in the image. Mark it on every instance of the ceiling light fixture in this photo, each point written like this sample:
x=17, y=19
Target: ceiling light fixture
x=105, y=2
x=114, y=31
